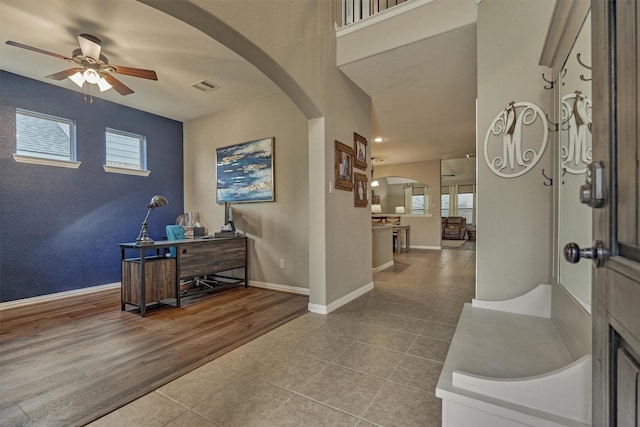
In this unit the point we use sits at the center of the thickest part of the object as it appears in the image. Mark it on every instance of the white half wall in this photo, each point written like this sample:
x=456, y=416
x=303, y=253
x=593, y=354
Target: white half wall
x=425, y=231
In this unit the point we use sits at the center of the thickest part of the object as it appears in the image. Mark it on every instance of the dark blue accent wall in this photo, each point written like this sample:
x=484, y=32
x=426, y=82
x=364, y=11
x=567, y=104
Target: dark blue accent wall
x=60, y=227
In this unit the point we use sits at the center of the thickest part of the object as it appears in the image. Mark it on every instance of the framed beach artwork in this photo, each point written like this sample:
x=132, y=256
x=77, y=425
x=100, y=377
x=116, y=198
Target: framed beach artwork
x=360, y=190
x=344, y=166
x=245, y=172
x=360, y=149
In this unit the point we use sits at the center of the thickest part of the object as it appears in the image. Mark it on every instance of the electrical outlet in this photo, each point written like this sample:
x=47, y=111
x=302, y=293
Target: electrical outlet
x=330, y=187
x=283, y=263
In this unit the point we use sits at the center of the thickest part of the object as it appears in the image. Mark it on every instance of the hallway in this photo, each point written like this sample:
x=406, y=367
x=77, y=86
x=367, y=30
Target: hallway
x=374, y=362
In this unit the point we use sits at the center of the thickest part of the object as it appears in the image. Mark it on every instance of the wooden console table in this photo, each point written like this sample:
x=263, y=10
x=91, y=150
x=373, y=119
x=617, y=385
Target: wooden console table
x=150, y=278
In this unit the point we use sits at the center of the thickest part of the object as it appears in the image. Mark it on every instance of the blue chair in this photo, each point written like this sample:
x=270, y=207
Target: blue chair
x=176, y=232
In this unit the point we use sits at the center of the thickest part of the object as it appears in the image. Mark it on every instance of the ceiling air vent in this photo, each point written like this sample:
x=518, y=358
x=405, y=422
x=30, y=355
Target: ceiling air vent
x=205, y=86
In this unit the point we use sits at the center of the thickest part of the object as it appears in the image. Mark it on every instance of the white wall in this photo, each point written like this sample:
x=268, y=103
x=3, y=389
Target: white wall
x=276, y=230
x=515, y=228
x=294, y=43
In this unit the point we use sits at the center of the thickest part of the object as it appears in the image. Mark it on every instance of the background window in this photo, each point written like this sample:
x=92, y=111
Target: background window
x=444, y=203
x=45, y=137
x=125, y=150
x=418, y=200
x=417, y=204
x=458, y=200
x=465, y=206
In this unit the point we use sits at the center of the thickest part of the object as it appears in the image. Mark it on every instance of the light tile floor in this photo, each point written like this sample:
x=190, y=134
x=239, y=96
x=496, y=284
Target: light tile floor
x=374, y=362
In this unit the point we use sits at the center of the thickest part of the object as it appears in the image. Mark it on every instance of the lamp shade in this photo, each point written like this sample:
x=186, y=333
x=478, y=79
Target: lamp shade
x=91, y=76
x=400, y=209
x=376, y=208
x=103, y=84
x=77, y=78
x=157, y=202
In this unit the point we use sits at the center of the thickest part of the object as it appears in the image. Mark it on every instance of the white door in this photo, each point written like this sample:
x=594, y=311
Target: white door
x=616, y=284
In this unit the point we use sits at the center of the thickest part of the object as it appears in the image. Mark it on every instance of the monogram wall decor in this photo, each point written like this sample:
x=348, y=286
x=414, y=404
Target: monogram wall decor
x=516, y=139
x=576, y=121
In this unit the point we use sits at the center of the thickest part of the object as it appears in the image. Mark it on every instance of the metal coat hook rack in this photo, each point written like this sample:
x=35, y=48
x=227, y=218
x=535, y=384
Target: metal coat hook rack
x=549, y=182
x=552, y=83
x=555, y=127
x=582, y=77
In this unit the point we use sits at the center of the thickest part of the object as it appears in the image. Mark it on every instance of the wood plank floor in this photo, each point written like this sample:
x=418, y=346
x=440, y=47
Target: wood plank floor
x=68, y=362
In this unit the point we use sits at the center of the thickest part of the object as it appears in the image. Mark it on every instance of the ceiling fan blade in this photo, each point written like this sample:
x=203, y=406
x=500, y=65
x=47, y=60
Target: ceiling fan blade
x=64, y=74
x=35, y=49
x=90, y=46
x=120, y=87
x=134, y=72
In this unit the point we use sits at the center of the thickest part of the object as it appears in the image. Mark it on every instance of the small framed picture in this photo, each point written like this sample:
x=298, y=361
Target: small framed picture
x=360, y=149
x=344, y=166
x=360, y=190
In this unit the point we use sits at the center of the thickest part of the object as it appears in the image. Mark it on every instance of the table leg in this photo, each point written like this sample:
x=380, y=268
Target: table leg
x=406, y=240
x=143, y=287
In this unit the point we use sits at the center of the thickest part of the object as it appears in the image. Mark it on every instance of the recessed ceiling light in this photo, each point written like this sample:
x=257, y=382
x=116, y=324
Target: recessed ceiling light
x=378, y=139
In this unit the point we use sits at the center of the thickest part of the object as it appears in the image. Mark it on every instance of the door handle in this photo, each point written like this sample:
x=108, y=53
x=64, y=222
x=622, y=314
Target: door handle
x=598, y=253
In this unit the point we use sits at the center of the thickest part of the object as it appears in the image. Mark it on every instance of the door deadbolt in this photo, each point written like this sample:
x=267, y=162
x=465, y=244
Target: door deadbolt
x=592, y=192
x=598, y=253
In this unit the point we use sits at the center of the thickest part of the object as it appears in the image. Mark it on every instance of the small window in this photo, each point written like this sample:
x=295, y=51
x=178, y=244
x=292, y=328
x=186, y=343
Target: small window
x=126, y=152
x=45, y=139
x=417, y=204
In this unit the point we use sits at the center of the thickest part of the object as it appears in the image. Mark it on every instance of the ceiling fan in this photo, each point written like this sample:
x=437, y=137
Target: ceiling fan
x=92, y=66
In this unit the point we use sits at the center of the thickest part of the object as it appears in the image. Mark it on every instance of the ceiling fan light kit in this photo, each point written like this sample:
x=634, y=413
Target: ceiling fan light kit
x=91, y=66
x=103, y=84
x=91, y=76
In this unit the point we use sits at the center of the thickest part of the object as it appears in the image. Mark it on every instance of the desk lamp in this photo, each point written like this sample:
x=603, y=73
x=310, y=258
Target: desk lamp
x=143, y=236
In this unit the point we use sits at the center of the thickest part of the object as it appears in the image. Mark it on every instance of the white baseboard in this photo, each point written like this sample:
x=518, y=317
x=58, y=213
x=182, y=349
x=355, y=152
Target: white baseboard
x=277, y=287
x=383, y=266
x=326, y=309
x=426, y=247
x=57, y=295
x=315, y=308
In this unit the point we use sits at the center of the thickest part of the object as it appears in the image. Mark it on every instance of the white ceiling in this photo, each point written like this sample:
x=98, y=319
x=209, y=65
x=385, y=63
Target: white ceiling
x=133, y=35
x=423, y=94
x=423, y=97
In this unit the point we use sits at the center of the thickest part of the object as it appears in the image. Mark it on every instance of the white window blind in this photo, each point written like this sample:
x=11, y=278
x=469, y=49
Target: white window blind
x=125, y=150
